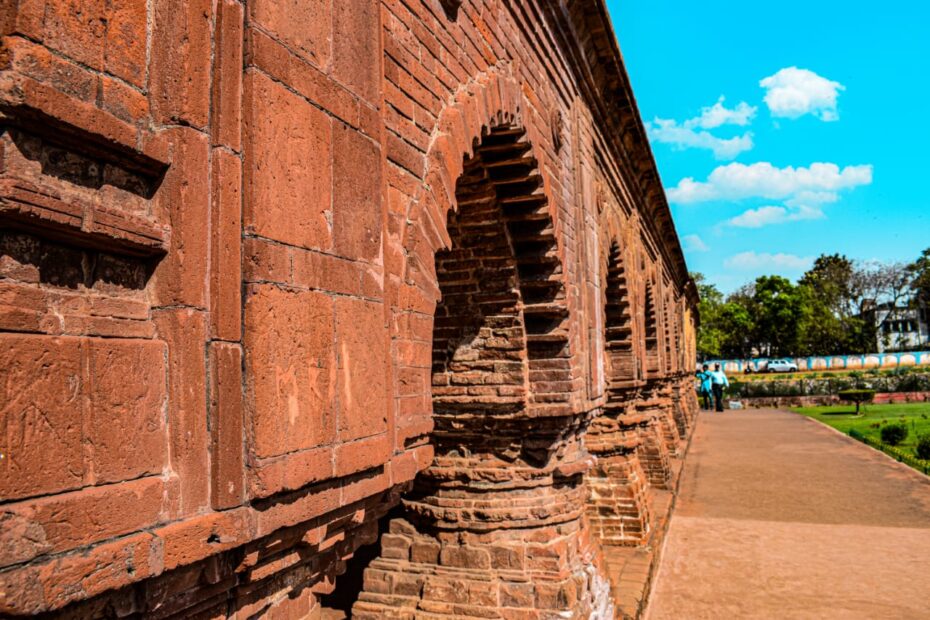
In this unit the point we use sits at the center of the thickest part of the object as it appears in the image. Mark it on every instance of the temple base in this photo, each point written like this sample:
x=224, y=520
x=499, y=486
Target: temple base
x=548, y=572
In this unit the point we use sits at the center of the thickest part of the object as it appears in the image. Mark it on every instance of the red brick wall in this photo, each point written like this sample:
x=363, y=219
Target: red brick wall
x=218, y=230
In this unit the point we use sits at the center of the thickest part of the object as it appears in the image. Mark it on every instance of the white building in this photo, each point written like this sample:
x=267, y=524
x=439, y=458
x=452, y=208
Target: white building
x=901, y=328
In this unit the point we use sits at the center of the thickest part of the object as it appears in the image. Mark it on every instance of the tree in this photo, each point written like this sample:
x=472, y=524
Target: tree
x=779, y=313
x=877, y=284
x=830, y=324
x=829, y=312
x=831, y=279
x=736, y=329
x=919, y=277
x=857, y=396
x=709, y=335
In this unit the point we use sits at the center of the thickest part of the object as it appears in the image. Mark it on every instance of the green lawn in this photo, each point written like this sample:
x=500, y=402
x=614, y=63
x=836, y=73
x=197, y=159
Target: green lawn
x=843, y=418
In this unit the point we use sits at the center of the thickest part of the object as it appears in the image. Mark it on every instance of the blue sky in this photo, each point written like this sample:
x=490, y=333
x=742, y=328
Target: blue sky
x=820, y=145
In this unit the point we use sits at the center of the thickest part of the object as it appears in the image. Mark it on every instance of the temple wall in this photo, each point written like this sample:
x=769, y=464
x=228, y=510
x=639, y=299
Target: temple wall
x=219, y=230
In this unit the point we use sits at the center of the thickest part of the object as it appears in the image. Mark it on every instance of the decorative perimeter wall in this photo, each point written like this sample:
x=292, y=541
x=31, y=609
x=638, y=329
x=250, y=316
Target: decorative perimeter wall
x=325, y=308
x=835, y=362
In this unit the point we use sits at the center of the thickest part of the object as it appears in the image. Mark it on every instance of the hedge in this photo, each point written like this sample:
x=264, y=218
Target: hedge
x=832, y=386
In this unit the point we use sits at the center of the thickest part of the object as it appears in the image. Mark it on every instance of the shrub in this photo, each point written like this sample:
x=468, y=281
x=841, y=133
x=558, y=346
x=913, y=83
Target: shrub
x=857, y=396
x=894, y=433
x=922, y=449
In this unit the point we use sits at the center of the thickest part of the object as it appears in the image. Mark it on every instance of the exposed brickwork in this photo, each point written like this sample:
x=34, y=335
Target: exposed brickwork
x=270, y=271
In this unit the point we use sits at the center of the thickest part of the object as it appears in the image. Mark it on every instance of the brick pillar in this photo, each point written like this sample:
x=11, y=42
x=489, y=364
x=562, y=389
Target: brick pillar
x=618, y=505
x=659, y=400
x=678, y=413
x=653, y=452
x=487, y=529
x=685, y=400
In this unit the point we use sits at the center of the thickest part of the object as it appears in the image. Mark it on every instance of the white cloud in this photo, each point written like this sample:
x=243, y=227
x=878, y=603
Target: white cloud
x=692, y=132
x=766, y=216
x=718, y=114
x=751, y=261
x=763, y=180
x=812, y=198
x=793, y=92
x=681, y=137
x=694, y=243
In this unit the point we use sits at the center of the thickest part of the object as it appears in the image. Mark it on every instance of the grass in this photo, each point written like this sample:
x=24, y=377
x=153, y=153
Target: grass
x=843, y=418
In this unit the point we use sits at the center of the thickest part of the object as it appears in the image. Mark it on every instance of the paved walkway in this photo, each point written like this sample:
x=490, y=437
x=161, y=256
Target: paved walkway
x=781, y=517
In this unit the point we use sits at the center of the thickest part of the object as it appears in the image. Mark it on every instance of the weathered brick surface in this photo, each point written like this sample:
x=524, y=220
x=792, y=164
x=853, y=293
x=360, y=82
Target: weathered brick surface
x=270, y=270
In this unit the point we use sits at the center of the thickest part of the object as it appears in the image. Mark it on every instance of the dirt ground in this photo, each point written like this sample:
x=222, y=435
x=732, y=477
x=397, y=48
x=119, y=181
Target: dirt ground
x=781, y=517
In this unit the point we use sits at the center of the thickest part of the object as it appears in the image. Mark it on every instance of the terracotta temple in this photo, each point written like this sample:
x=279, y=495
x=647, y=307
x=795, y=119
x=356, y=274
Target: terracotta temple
x=332, y=308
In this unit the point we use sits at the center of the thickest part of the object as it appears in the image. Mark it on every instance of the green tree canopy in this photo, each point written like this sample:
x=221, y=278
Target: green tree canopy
x=828, y=311
x=919, y=272
x=780, y=311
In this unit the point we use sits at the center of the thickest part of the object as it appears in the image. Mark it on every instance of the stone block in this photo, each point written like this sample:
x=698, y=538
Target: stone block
x=226, y=425
x=291, y=369
x=36, y=61
x=288, y=175
x=69, y=520
x=77, y=30
x=356, y=52
x=226, y=118
x=363, y=368
x=123, y=102
x=290, y=472
x=41, y=425
x=304, y=26
x=127, y=40
x=357, y=220
x=183, y=200
x=185, y=332
x=125, y=425
x=363, y=454
x=179, y=73
x=226, y=247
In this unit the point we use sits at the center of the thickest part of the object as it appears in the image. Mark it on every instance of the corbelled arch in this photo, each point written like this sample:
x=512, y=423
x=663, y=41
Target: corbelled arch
x=618, y=319
x=682, y=384
x=618, y=506
x=505, y=490
x=667, y=328
x=666, y=382
x=653, y=450
x=651, y=333
x=417, y=231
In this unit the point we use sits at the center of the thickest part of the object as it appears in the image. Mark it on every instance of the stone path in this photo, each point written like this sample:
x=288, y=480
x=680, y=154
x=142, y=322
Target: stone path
x=780, y=516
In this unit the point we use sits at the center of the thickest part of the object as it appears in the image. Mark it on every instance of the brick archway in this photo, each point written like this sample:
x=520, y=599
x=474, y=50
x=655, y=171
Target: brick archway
x=505, y=493
x=653, y=406
x=623, y=366
x=652, y=331
x=618, y=506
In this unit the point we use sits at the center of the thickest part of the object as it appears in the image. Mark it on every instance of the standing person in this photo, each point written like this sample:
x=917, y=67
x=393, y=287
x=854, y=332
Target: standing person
x=704, y=386
x=719, y=381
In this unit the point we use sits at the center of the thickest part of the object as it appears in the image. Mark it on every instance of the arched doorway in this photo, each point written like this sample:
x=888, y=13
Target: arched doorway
x=618, y=508
x=653, y=451
x=495, y=523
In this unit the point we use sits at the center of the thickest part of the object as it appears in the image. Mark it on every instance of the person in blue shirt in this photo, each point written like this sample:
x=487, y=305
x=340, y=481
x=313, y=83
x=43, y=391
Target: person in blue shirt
x=704, y=386
x=718, y=381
